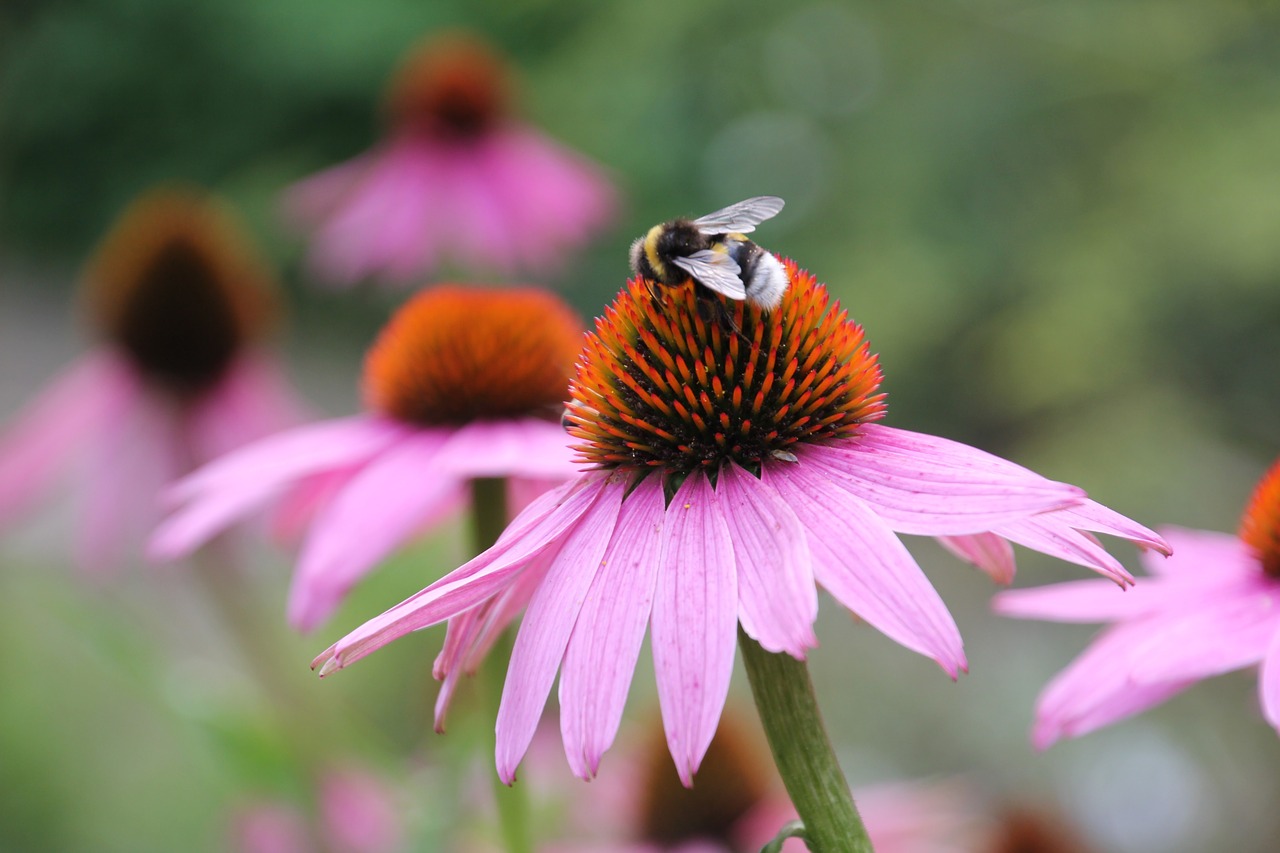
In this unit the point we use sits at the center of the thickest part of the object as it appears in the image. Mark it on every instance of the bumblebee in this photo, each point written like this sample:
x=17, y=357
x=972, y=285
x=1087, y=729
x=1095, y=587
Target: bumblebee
x=713, y=251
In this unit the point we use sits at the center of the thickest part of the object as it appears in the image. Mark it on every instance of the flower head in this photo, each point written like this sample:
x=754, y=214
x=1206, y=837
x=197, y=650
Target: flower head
x=179, y=299
x=463, y=384
x=737, y=464
x=1207, y=609
x=175, y=287
x=457, y=179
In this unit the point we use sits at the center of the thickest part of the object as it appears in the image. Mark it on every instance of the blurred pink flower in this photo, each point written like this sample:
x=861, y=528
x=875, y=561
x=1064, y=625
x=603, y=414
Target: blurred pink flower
x=738, y=471
x=357, y=813
x=455, y=179
x=1209, y=608
x=178, y=297
x=463, y=384
x=269, y=827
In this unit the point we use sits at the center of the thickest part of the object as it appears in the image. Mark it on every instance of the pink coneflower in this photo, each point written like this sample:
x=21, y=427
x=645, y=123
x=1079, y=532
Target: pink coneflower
x=737, y=465
x=179, y=298
x=464, y=385
x=456, y=179
x=1208, y=609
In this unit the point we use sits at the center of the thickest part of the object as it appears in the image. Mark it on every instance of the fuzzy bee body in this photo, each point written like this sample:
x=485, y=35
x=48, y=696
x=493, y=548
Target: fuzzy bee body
x=714, y=251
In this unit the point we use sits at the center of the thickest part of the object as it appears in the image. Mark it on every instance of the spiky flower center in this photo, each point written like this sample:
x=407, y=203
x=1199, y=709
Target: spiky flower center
x=454, y=354
x=730, y=783
x=1260, y=526
x=451, y=85
x=678, y=380
x=177, y=287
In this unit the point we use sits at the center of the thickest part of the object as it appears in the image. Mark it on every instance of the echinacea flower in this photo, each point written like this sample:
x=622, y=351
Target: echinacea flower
x=736, y=465
x=179, y=300
x=464, y=385
x=456, y=179
x=1208, y=609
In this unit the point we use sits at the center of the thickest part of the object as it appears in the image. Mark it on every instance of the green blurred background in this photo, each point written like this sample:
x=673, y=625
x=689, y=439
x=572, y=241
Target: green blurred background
x=1058, y=221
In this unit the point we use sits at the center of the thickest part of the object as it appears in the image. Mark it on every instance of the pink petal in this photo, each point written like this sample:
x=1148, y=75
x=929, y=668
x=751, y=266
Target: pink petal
x=528, y=447
x=1097, y=689
x=694, y=620
x=931, y=486
x=548, y=623
x=47, y=433
x=132, y=457
x=602, y=653
x=447, y=668
x=1093, y=516
x=486, y=623
x=777, y=597
x=252, y=401
x=541, y=526
x=1269, y=682
x=236, y=484
x=1049, y=534
x=989, y=552
x=386, y=223
x=859, y=560
x=1080, y=601
x=1206, y=636
x=1201, y=551
x=397, y=494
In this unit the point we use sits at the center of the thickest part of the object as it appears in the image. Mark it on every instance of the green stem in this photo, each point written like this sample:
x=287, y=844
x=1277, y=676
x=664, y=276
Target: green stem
x=801, y=750
x=489, y=519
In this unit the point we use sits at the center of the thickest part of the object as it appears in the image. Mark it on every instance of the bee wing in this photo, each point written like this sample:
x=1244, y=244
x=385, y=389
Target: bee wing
x=740, y=218
x=715, y=270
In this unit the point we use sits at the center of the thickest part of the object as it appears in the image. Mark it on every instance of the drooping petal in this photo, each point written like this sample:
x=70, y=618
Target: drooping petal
x=1080, y=601
x=601, y=658
x=379, y=213
x=1093, y=516
x=1206, y=636
x=1048, y=534
x=548, y=622
x=236, y=484
x=447, y=668
x=542, y=525
x=1269, y=682
x=695, y=616
x=931, y=486
x=48, y=433
x=394, y=496
x=859, y=560
x=990, y=553
x=527, y=447
x=483, y=626
x=132, y=457
x=1097, y=689
x=777, y=597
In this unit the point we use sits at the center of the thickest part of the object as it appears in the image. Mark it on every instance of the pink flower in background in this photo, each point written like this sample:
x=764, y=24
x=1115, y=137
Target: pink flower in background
x=1209, y=608
x=178, y=298
x=456, y=180
x=464, y=384
x=738, y=468
x=357, y=812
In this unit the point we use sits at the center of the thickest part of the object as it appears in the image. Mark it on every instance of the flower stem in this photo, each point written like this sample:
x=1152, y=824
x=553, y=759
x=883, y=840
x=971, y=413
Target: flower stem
x=488, y=520
x=801, y=750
